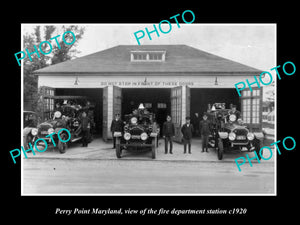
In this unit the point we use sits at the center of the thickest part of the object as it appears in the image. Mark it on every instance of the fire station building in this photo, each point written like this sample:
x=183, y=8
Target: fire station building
x=168, y=79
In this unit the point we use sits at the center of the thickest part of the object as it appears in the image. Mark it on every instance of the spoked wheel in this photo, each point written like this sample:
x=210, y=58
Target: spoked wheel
x=62, y=146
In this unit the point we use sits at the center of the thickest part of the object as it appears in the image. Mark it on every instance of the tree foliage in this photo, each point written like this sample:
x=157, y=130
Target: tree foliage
x=57, y=55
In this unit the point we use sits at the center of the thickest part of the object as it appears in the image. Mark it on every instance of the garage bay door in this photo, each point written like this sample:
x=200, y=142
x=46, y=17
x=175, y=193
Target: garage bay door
x=180, y=108
x=112, y=102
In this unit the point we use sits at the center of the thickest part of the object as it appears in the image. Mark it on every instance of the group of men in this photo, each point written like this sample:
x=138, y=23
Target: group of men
x=168, y=131
x=187, y=131
x=204, y=127
x=85, y=118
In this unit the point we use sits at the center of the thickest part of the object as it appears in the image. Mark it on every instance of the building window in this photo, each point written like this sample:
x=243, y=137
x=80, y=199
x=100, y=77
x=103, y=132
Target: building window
x=148, y=56
x=251, y=106
x=255, y=111
x=46, y=101
x=246, y=93
x=139, y=56
x=51, y=104
x=176, y=105
x=148, y=105
x=256, y=92
x=155, y=56
x=161, y=105
x=246, y=110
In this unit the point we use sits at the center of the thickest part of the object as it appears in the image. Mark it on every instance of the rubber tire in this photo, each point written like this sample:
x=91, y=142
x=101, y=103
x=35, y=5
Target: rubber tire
x=153, y=148
x=28, y=139
x=62, y=146
x=257, y=146
x=220, y=149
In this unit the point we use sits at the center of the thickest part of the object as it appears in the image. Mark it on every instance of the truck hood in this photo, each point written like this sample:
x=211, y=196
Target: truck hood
x=50, y=123
x=233, y=126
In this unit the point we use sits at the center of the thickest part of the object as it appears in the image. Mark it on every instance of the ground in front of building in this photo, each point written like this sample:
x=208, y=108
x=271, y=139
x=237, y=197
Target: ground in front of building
x=98, y=149
x=96, y=170
x=81, y=177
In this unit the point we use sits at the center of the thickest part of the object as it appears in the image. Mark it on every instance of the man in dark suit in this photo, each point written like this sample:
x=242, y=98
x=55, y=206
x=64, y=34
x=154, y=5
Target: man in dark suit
x=205, y=129
x=168, y=134
x=85, y=127
x=187, y=132
x=116, y=126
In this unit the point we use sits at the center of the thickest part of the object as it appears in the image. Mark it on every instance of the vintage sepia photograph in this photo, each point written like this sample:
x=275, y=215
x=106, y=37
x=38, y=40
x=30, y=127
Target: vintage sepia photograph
x=185, y=110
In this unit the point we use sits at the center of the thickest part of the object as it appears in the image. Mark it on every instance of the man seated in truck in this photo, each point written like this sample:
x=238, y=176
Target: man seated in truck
x=235, y=112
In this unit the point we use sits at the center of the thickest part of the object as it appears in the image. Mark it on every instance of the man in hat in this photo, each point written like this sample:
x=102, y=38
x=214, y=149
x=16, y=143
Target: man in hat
x=235, y=112
x=205, y=129
x=58, y=107
x=168, y=133
x=85, y=128
x=187, y=132
x=116, y=126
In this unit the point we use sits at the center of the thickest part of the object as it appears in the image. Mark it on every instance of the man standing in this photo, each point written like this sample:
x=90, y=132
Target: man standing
x=116, y=126
x=168, y=134
x=187, y=132
x=205, y=132
x=85, y=128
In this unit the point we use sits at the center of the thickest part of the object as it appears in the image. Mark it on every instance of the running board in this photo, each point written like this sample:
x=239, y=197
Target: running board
x=76, y=139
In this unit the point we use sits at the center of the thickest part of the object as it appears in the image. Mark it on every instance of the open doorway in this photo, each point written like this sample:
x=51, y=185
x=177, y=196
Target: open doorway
x=94, y=96
x=156, y=100
x=201, y=97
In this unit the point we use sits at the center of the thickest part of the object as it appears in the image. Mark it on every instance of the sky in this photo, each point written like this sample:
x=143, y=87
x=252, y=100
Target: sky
x=253, y=45
x=250, y=44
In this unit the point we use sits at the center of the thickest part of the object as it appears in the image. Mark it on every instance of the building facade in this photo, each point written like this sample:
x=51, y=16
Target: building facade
x=169, y=79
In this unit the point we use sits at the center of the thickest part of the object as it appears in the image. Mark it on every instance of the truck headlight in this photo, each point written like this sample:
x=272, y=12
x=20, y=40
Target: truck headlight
x=223, y=135
x=34, y=131
x=50, y=130
x=127, y=136
x=133, y=120
x=232, y=117
x=117, y=134
x=250, y=136
x=57, y=114
x=231, y=136
x=144, y=136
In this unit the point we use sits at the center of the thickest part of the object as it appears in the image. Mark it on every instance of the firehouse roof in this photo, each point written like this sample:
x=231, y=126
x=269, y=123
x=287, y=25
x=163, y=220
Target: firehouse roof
x=179, y=58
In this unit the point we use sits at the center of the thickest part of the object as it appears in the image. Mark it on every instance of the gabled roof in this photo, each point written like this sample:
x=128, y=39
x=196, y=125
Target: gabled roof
x=179, y=58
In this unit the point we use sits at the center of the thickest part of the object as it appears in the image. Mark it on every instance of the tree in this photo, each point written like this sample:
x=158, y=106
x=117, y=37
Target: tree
x=270, y=95
x=67, y=51
x=57, y=55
